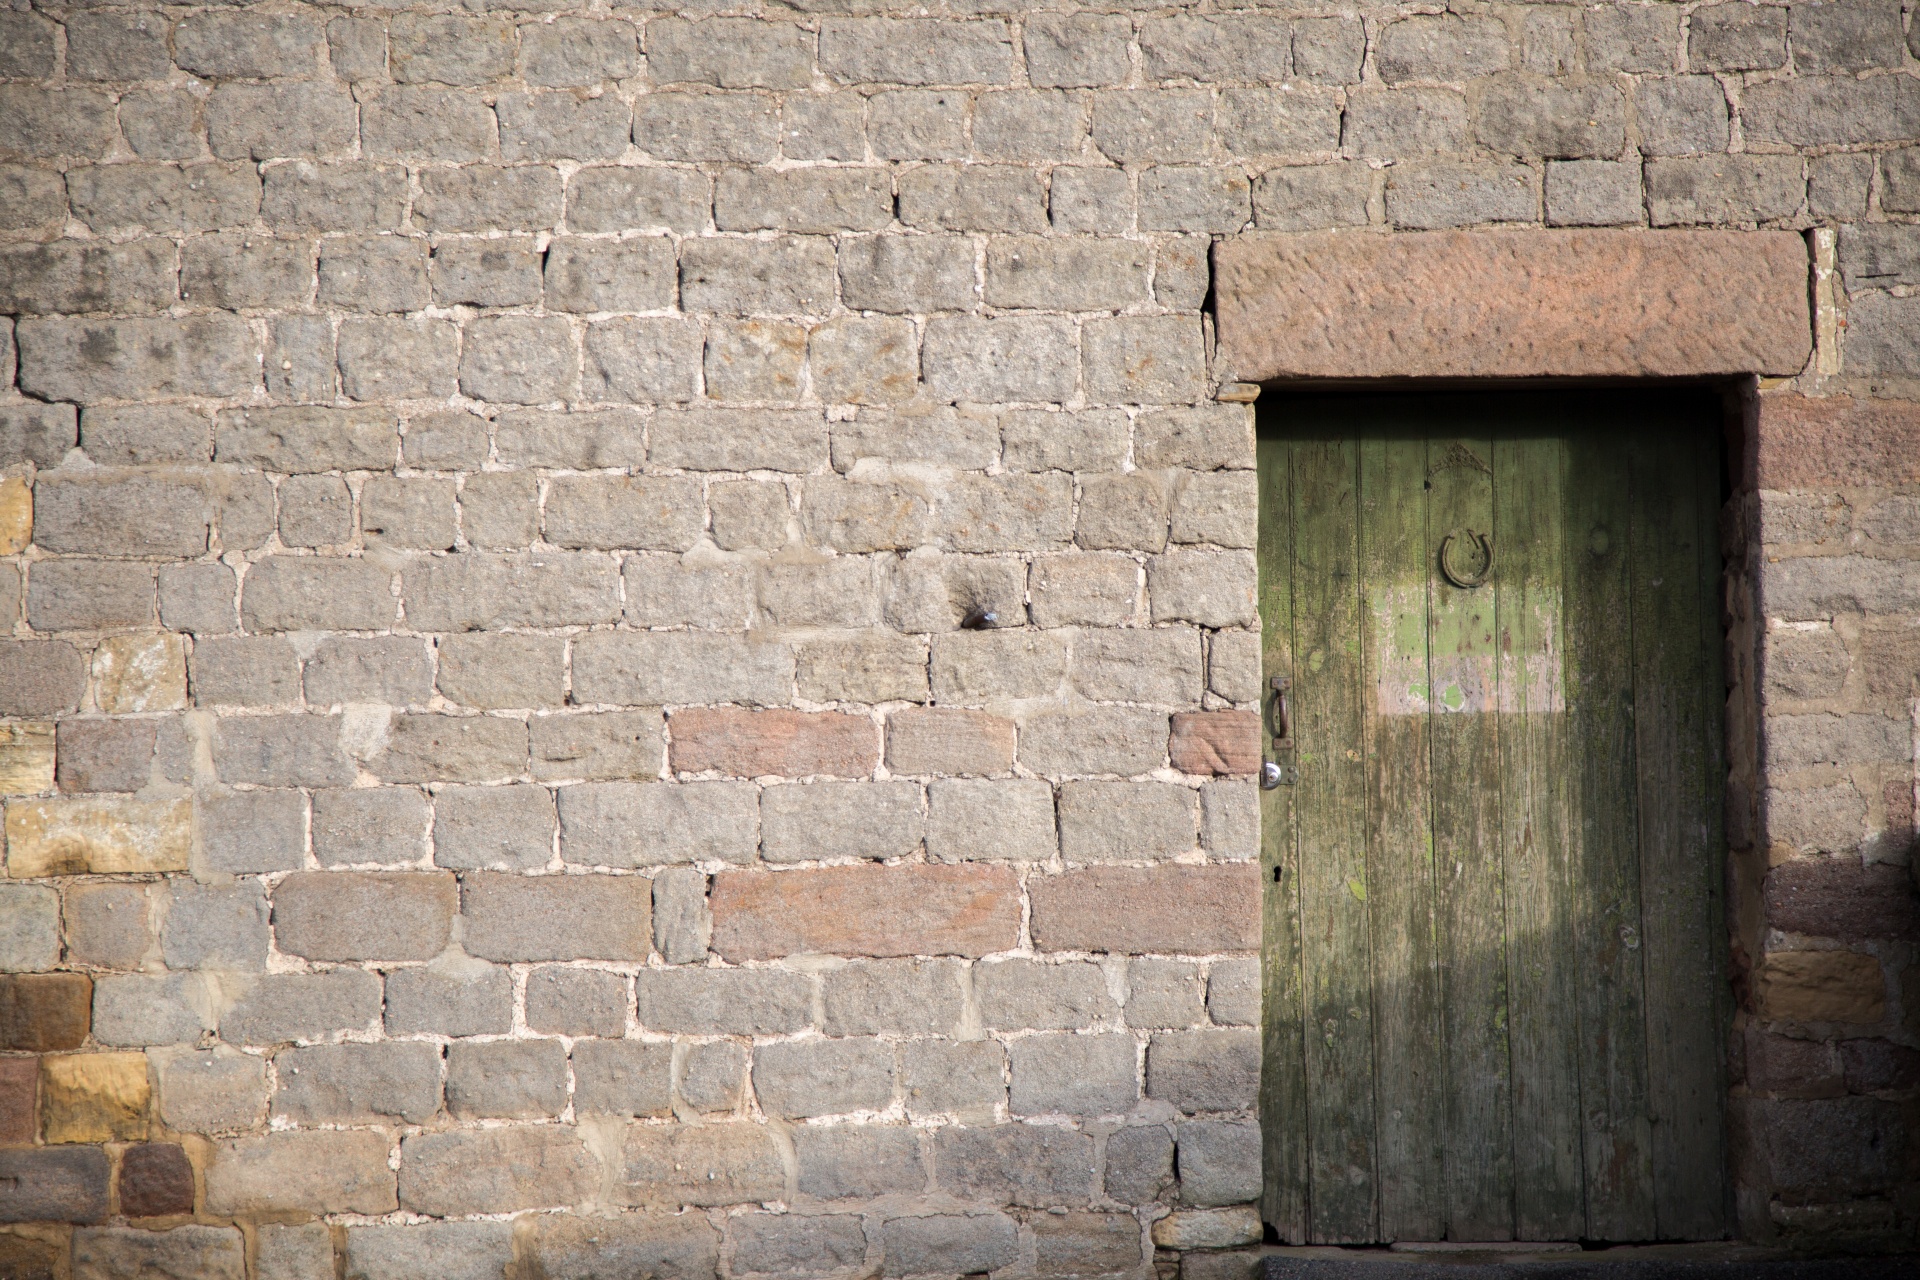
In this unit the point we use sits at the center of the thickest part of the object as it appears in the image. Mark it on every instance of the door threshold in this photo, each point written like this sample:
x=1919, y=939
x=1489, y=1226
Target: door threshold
x=1565, y=1261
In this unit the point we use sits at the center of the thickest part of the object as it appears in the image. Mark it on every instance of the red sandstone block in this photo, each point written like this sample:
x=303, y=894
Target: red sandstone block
x=866, y=911
x=17, y=1079
x=42, y=1011
x=1836, y=442
x=1840, y=898
x=1221, y=742
x=1622, y=303
x=790, y=744
x=155, y=1180
x=1196, y=910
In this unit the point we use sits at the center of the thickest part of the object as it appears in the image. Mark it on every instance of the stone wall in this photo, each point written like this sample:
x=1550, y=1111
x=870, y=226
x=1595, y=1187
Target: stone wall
x=646, y=615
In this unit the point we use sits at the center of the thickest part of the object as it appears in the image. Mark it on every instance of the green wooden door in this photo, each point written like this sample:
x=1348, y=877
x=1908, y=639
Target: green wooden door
x=1494, y=979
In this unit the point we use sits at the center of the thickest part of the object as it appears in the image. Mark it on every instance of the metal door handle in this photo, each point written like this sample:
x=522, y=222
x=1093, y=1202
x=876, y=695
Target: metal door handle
x=1281, y=772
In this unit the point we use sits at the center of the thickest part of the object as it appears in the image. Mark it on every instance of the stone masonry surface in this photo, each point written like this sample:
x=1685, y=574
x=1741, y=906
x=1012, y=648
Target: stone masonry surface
x=631, y=639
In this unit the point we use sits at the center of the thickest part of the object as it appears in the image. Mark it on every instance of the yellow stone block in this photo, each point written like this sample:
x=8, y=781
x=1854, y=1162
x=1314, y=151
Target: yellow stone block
x=93, y=1097
x=16, y=515
x=1821, y=986
x=26, y=757
x=140, y=673
x=64, y=837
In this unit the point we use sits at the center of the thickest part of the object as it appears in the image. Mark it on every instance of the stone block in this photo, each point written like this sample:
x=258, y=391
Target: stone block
x=1216, y=742
x=1007, y=513
x=29, y=928
x=621, y=1078
x=1063, y=1074
x=577, y=1002
x=1219, y=1162
x=519, y=360
x=1139, y=1163
x=441, y=748
x=1710, y=190
x=975, y=820
x=1138, y=125
x=508, y=828
x=27, y=756
x=948, y=1243
x=215, y=927
x=476, y=592
x=454, y=1250
x=1593, y=193
x=102, y=835
x=91, y=595
x=997, y=359
x=978, y=666
x=293, y=1253
x=686, y=822
x=682, y=922
x=358, y=1084
x=1019, y=1164
x=1233, y=992
x=40, y=677
x=375, y=825
x=1088, y=740
x=1831, y=1147
x=900, y=997
x=496, y=1170
x=1126, y=821
x=454, y=996
x=217, y=1091
x=156, y=1180
x=1123, y=512
x=1636, y=265
x=120, y=513
x=281, y=751
x=1194, y=198
x=712, y=1076
x=497, y=672
x=55, y=1184
x=1090, y=200
x=792, y=275
x=413, y=514
x=622, y=275
x=562, y=126
x=948, y=741
x=148, y=1009
x=1737, y=37
x=1019, y=995
x=807, y=201
x=382, y=669
x=104, y=755
x=834, y=820
x=838, y=592
x=285, y=593
x=724, y=1001
x=699, y=1165
x=906, y=273
x=1082, y=1243
x=500, y=510
x=577, y=52
x=786, y=1243
x=613, y=744
x=870, y=666
x=217, y=1253
x=965, y=1078
x=1203, y=1071
x=1841, y=898
x=1073, y=51
x=306, y=440
x=1190, y=909
x=746, y=515
x=362, y=915
x=865, y=910
x=1208, y=1229
x=782, y=743
x=804, y=1078
x=619, y=199
x=670, y=1246
x=303, y=1006
x=507, y=1080
x=720, y=128
x=522, y=918
x=94, y=1097
x=846, y=1161
x=1820, y=986
x=623, y=512
x=1164, y=993
x=1066, y=273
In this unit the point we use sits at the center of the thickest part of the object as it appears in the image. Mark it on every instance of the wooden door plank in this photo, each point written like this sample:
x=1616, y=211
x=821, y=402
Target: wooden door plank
x=1549, y=1198
x=1283, y=1088
x=1676, y=782
x=1605, y=857
x=1408, y=1076
x=1331, y=796
x=1470, y=903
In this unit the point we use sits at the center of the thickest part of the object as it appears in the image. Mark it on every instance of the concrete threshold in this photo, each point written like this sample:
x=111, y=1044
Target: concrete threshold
x=1512, y=1261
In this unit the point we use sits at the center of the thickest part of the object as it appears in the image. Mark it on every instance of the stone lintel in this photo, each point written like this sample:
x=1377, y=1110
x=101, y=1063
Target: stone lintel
x=1513, y=304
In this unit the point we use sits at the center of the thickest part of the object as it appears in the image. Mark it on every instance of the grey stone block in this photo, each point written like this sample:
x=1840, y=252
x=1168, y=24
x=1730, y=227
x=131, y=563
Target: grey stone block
x=217, y=1253
x=1164, y=993
x=1125, y=821
x=846, y=1162
x=108, y=925
x=29, y=928
x=1219, y=1162
x=966, y=1078
x=385, y=826
x=576, y=1002
x=1593, y=193
x=458, y=997
x=899, y=997
x=1139, y=1163
x=1200, y=1071
x=682, y=920
x=148, y=1009
x=103, y=755
x=948, y=1243
x=621, y=1078
x=613, y=744
x=560, y=917
x=453, y=1250
x=508, y=828
x=441, y=748
x=281, y=751
x=257, y=831
x=739, y=128
x=827, y=820
x=497, y=672
x=303, y=1006
x=724, y=1001
x=198, y=598
x=805, y=1078
x=1062, y=1073
x=791, y=1243
x=284, y=1252
x=216, y=927
x=562, y=126
x=382, y=669
x=245, y=671
x=620, y=199
x=1020, y=1164
x=507, y=1080
x=712, y=1076
x=92, y=595
x=358, y=1083
x=413, y=514
x=1233, y=992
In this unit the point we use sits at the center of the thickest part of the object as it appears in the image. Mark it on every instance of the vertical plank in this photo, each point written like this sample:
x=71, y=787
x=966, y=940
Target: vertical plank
x=1549, y=1201
x=1331, y=797
x=1470, y=904
x=1407, y=1074
x=1676, y=781
x=1283, y=1090
x=1601, y=790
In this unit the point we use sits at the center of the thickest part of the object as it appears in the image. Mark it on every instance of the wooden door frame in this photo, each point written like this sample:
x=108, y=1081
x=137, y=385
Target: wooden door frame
x=1531, y=307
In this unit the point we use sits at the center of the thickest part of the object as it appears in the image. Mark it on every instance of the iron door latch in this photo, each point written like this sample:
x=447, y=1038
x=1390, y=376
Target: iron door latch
x=1281, y=771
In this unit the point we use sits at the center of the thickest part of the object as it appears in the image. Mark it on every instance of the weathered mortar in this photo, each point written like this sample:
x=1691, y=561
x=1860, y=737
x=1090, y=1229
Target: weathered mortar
x=501, y=517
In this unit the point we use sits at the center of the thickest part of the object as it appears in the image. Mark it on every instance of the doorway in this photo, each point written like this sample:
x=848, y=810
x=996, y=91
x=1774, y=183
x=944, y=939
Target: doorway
x=1494, y=956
